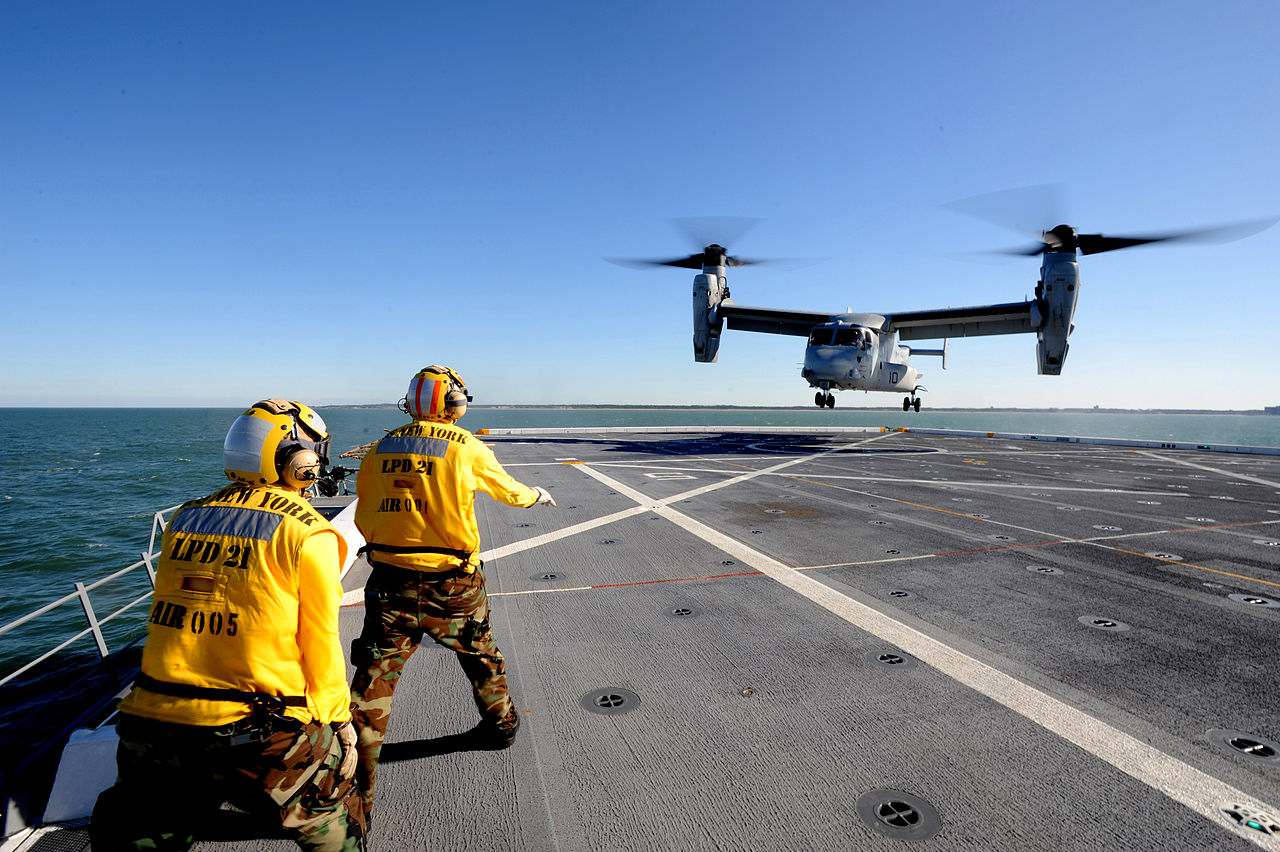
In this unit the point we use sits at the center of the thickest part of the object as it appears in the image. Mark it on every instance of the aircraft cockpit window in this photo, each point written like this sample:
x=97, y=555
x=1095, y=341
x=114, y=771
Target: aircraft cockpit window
x=848, y=336
x=820, y=336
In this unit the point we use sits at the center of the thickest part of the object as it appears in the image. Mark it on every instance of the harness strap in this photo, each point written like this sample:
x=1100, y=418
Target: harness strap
x=187, y=690
x=464, y=555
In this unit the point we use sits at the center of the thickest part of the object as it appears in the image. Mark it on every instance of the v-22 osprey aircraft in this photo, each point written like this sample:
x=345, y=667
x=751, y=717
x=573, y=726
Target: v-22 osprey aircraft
x=862, y=351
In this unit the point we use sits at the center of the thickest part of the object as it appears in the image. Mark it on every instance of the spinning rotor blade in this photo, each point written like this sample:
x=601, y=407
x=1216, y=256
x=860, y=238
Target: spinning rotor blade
x=701, y=231
x=1097, y=243
x=713, y=255
x=1018, y=209
x=704, y=231
x=1065, y=239
x=1025, y=209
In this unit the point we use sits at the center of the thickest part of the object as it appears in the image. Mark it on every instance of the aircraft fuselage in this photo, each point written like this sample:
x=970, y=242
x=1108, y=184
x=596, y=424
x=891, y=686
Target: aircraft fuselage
x=845, y=356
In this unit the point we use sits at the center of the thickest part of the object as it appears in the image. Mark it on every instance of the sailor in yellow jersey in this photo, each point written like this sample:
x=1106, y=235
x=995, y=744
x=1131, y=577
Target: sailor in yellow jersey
x=242, y=696
x=416, y=510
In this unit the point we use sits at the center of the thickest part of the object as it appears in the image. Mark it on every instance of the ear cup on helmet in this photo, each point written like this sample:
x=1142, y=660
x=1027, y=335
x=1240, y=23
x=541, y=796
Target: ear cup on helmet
x=455, y=399
x=300, y=468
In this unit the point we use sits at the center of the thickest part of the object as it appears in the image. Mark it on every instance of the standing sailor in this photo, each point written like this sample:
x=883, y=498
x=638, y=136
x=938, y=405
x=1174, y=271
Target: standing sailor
x=243, y=696
x=416, y=510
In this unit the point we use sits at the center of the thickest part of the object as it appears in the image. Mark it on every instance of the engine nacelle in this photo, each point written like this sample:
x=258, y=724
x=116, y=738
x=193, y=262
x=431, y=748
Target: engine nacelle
x=708, y=291
x=1056, y=298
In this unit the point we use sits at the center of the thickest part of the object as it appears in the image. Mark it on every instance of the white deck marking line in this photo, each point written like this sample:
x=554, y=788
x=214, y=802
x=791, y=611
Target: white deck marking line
x=1051, y=539
x=355, y=597
x=548, y=538
x=647, y=504
x=541, y=591
x=1180, y=781
x=794, y=460
x=888, y=478
x=1259, y=480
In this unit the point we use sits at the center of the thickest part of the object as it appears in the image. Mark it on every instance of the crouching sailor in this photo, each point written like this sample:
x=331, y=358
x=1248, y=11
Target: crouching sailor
x=242, y=696
x=416, y=509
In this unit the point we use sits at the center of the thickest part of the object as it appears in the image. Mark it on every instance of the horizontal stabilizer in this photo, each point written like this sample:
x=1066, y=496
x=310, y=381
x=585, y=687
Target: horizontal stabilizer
x=942, y=353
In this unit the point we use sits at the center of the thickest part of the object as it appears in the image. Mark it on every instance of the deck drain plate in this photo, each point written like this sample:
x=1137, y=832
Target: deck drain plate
x=900, y=594
x=900, y=660
x=1256, y=600
x=610, y=701
x=547, y=577
x=1245, y=817
x=1099, y=623
x=899, y=815
x=1044, y=569
x=1241, y=744
x=684, y=611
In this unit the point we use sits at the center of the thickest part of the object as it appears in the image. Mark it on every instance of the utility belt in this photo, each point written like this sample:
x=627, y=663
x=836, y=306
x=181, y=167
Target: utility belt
x=266, y=716
x=465, y=555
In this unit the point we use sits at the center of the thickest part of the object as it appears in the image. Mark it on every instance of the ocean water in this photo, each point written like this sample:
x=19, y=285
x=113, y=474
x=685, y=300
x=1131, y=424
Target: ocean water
x=80, y=486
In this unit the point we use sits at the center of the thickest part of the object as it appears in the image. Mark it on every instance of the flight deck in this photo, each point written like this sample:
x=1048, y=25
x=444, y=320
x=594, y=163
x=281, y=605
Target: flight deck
x=857, y=640
x=734, y=640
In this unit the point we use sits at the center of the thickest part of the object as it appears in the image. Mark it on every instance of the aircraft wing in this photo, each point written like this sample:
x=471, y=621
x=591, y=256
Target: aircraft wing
x=1010, y=318
x=771, y=320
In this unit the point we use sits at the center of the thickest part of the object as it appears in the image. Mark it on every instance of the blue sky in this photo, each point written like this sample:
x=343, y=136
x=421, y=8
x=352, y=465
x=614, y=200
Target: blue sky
x=207, y=204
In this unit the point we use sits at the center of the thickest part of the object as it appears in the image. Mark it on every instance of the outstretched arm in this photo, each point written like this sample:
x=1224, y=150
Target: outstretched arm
x=494, y=480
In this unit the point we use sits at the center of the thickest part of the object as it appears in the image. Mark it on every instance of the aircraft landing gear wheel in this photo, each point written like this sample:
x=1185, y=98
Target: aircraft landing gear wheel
x=916, y=404
x=906, y=403
x=819, y=400
x=831, y=400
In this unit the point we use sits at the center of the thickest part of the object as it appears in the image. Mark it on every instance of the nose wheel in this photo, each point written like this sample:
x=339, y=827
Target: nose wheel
x=824, y=399
x=909, y=403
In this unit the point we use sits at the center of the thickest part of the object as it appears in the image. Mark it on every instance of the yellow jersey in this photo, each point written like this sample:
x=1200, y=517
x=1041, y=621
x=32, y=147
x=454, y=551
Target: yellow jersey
x=416, y=496
x=246, y=598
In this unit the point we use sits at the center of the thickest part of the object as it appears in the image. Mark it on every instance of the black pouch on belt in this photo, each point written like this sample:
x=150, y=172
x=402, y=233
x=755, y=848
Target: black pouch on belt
x=265, y=718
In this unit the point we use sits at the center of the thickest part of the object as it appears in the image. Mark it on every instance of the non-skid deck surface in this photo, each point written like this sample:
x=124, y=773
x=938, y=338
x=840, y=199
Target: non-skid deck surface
x=857, y=641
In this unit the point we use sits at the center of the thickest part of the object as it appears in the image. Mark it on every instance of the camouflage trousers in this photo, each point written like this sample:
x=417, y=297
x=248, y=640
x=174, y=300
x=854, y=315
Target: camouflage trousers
x=174, y=778
x=402, y=606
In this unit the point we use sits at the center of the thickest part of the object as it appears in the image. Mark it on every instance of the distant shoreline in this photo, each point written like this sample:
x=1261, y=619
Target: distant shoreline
x=886, y=409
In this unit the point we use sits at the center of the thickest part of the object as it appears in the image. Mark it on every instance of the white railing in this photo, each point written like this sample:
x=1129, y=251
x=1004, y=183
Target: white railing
x=81, y=595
